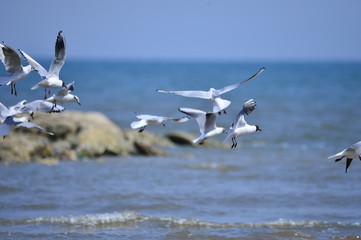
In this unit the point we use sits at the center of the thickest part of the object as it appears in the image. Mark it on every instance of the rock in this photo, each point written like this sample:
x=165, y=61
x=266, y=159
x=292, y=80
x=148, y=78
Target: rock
x=181, y=138
x=147, y=149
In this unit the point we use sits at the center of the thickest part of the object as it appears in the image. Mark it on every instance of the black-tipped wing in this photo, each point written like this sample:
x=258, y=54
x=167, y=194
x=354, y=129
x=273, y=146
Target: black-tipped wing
x=198, y=115
x=11, y=59
x=194, y=94
x=248, y=107
x=60, y=55
x=234, y=86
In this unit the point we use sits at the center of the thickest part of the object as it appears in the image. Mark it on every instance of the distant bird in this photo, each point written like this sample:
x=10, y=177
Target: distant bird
x=206, y=123
x=51, y=77
x=64, y=96
x=14, y=122
x=146, y=120
x=12, y=62
x=240, y=127
x=354, y=151
x=214, y=95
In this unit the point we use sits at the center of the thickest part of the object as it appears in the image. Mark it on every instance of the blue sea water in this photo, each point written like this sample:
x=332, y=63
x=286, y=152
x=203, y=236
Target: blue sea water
x=277, y=184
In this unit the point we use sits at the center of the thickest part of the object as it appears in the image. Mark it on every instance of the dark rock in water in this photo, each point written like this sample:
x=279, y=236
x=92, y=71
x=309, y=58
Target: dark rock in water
x=147, y=149
x=181, y=138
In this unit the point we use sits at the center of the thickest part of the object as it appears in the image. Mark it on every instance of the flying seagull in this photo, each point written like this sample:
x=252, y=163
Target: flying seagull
x=25, y=107
x=145, y=120
x=12, y=62
x=354, y=151
x=64, y=96
x=240, y=127
x=51, y=77
x=39, y=106
x=206, y=123
x=14, y=122
x=214, y=95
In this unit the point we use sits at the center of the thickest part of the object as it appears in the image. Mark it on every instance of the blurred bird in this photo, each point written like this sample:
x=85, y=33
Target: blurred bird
x=14, y=122
x=12, y=63
x=51, y=77
x=206, y=123
x=214, y=95
x=146, y=120
x=354, y=151
x=64, y=96
x=240, y=127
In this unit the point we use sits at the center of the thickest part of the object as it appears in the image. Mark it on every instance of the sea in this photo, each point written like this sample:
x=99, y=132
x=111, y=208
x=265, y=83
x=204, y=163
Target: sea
x=276, y=184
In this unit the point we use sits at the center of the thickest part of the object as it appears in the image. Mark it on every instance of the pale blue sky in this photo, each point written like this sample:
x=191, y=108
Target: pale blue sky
x=187, y=29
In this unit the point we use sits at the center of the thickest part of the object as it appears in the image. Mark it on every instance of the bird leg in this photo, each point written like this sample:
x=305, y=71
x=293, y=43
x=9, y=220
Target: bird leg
x=163, y=124
x=45, y=93
x=54, y=105
x=13, y=90
x=224, y=111
x=32, y=115
x=338, y=159
x=234, y=142
x=141, y=129
x=348, y=162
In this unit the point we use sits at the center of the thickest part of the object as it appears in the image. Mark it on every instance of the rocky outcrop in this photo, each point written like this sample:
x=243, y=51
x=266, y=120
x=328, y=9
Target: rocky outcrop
x=80, y=135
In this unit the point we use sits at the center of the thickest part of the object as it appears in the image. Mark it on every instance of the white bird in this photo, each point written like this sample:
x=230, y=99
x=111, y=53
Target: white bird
x=240, y=127
x=25, y=107
x=14, y=122
x=12, y=62
x=39, y=106
x=146, y=120
x=51, y=77
x=354, y=151
x=214, y=95
x=64, y=96
x=206, y=123
x=10, y=111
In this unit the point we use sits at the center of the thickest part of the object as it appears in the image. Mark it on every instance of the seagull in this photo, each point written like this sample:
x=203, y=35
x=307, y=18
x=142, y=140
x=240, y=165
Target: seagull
x=146, y=120
x=25, y=107
x=14, y=122
x=354, y=151
x=39, y=106
x=12, y=62
x=206, y=123
x=10, y=111
x=240, y=127
x=51, y=77
x=214, y=95
x=64, y=95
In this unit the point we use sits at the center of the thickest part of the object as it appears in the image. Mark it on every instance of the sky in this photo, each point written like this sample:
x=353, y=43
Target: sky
x=277, y=30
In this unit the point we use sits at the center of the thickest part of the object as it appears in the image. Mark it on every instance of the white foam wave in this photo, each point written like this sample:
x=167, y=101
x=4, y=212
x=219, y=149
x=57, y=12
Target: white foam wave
x=131, y=217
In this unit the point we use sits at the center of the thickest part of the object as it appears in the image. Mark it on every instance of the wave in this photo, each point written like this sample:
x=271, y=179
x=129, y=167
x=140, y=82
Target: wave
x=127, y=218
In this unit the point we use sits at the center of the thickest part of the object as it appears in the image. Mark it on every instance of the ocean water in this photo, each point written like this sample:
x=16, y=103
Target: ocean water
x=277, y=184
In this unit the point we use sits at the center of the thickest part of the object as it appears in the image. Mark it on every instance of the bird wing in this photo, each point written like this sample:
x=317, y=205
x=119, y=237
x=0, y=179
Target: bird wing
x=3, y=110
x=32, y=125
x=34, y=64
x=11, y=59
x=198, y=115
x=40, y=106
x=60, y=55
x=248, y=107
x=194, y=94
x=182, y=119
x=70, y=86
x=138, y=124
x=233, y=86
x=210, y=122
x=357, y=147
